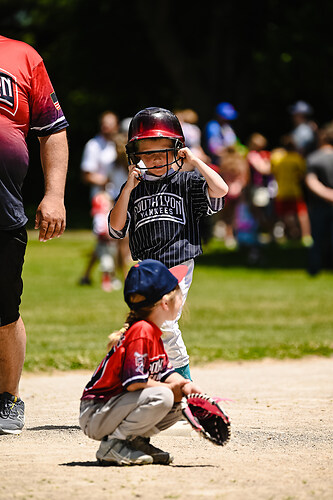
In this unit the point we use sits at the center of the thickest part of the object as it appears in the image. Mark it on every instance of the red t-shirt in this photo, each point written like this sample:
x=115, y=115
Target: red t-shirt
x=27, y=101
x=139, y=355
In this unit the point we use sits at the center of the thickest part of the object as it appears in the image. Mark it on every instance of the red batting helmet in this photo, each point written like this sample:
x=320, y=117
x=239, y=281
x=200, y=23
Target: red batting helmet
x=155, y=123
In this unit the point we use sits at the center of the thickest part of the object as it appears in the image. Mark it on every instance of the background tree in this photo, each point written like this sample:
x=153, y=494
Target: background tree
x=123, y=56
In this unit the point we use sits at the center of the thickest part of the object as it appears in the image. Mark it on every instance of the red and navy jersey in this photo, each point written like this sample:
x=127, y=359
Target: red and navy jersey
x=163, y=218
x=27, y=102
x=139, y=355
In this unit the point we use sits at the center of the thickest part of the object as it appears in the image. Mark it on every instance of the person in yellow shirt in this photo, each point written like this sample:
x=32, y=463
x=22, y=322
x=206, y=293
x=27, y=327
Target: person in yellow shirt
x=289, y=168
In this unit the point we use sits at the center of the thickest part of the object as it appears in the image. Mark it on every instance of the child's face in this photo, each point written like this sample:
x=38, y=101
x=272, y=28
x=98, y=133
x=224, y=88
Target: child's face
x=156, y=159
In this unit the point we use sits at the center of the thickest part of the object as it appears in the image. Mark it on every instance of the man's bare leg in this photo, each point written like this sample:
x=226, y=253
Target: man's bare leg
x=12, y=355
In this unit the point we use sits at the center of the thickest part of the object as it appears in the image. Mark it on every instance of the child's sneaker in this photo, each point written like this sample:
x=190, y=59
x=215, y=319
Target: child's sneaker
x=11, y=414
x=85, y=281
x=116, y=284
x=120, y=452
x=159, y=456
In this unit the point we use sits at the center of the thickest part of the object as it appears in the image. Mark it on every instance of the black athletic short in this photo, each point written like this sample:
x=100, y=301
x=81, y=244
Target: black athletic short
x=12, y=250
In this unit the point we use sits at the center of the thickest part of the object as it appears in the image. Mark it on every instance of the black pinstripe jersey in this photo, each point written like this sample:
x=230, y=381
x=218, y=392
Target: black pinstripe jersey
x=163, y=218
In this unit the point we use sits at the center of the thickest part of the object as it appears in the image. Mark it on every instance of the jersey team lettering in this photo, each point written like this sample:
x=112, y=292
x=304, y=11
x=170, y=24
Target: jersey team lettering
x=156, y=368
x=8, y=92
x=161, y=206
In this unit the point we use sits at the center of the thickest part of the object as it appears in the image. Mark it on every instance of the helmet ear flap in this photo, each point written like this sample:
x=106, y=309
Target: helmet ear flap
x=178, y=144
x=133, y=159
x=131, y=156
x=179, y=161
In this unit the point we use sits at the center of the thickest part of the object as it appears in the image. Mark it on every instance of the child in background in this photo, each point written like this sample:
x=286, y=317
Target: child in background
x=263, y=186
x=135, y=393
x=106, y=248
x=119, y=176
x=235, y=170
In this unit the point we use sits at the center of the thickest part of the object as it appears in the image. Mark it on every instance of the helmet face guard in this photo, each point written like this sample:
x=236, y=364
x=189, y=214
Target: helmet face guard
x=155, y=123
x=173, y=162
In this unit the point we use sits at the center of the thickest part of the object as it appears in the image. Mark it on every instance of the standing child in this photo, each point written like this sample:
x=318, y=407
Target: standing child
x=106, y=248
x=135, y=393
x=161, y=207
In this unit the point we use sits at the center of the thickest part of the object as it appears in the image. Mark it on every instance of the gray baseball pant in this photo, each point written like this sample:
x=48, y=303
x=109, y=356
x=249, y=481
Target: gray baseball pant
x=139, y=413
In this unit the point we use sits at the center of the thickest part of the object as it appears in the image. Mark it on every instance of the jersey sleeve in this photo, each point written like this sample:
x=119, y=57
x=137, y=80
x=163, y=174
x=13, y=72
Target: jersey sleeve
x=46, y=114
x=216, y=204
x=136, y=362
x=166, y=370
x=114, y=233
x=203, y=205
x=118, y=235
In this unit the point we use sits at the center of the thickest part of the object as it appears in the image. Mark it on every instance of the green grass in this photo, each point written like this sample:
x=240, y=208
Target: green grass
x=233, y=312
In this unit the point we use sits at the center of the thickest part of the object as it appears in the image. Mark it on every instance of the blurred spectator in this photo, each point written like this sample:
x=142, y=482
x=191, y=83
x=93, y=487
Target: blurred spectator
x=189, y=119
x=97, y=166
x=100, y=153
x=289, y=168
x=124, y=124
x=263, y=186
x=113, y=255
x=106, y=248
x=235, y=171
x=119, y=177
x=319, y=180
x=219, y=134
x=246, y=228
x=304, y=132
x=119, y=170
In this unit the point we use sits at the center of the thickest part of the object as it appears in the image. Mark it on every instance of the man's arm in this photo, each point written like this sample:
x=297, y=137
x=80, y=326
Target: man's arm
x=319, y=188
x=51, y=213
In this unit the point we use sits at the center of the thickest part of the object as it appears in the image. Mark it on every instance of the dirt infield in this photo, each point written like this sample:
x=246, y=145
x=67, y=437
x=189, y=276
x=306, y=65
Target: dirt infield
x=281, y=444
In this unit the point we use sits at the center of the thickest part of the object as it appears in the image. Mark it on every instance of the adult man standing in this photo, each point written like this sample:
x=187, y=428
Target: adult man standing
x=319, y=180
x=100, y=154
x=97, y=166
x=27, y=101
x=304, y=132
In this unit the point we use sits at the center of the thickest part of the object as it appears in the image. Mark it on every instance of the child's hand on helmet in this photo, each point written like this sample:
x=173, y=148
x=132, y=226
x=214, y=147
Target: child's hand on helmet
x=187, y=155
x=134, y=176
